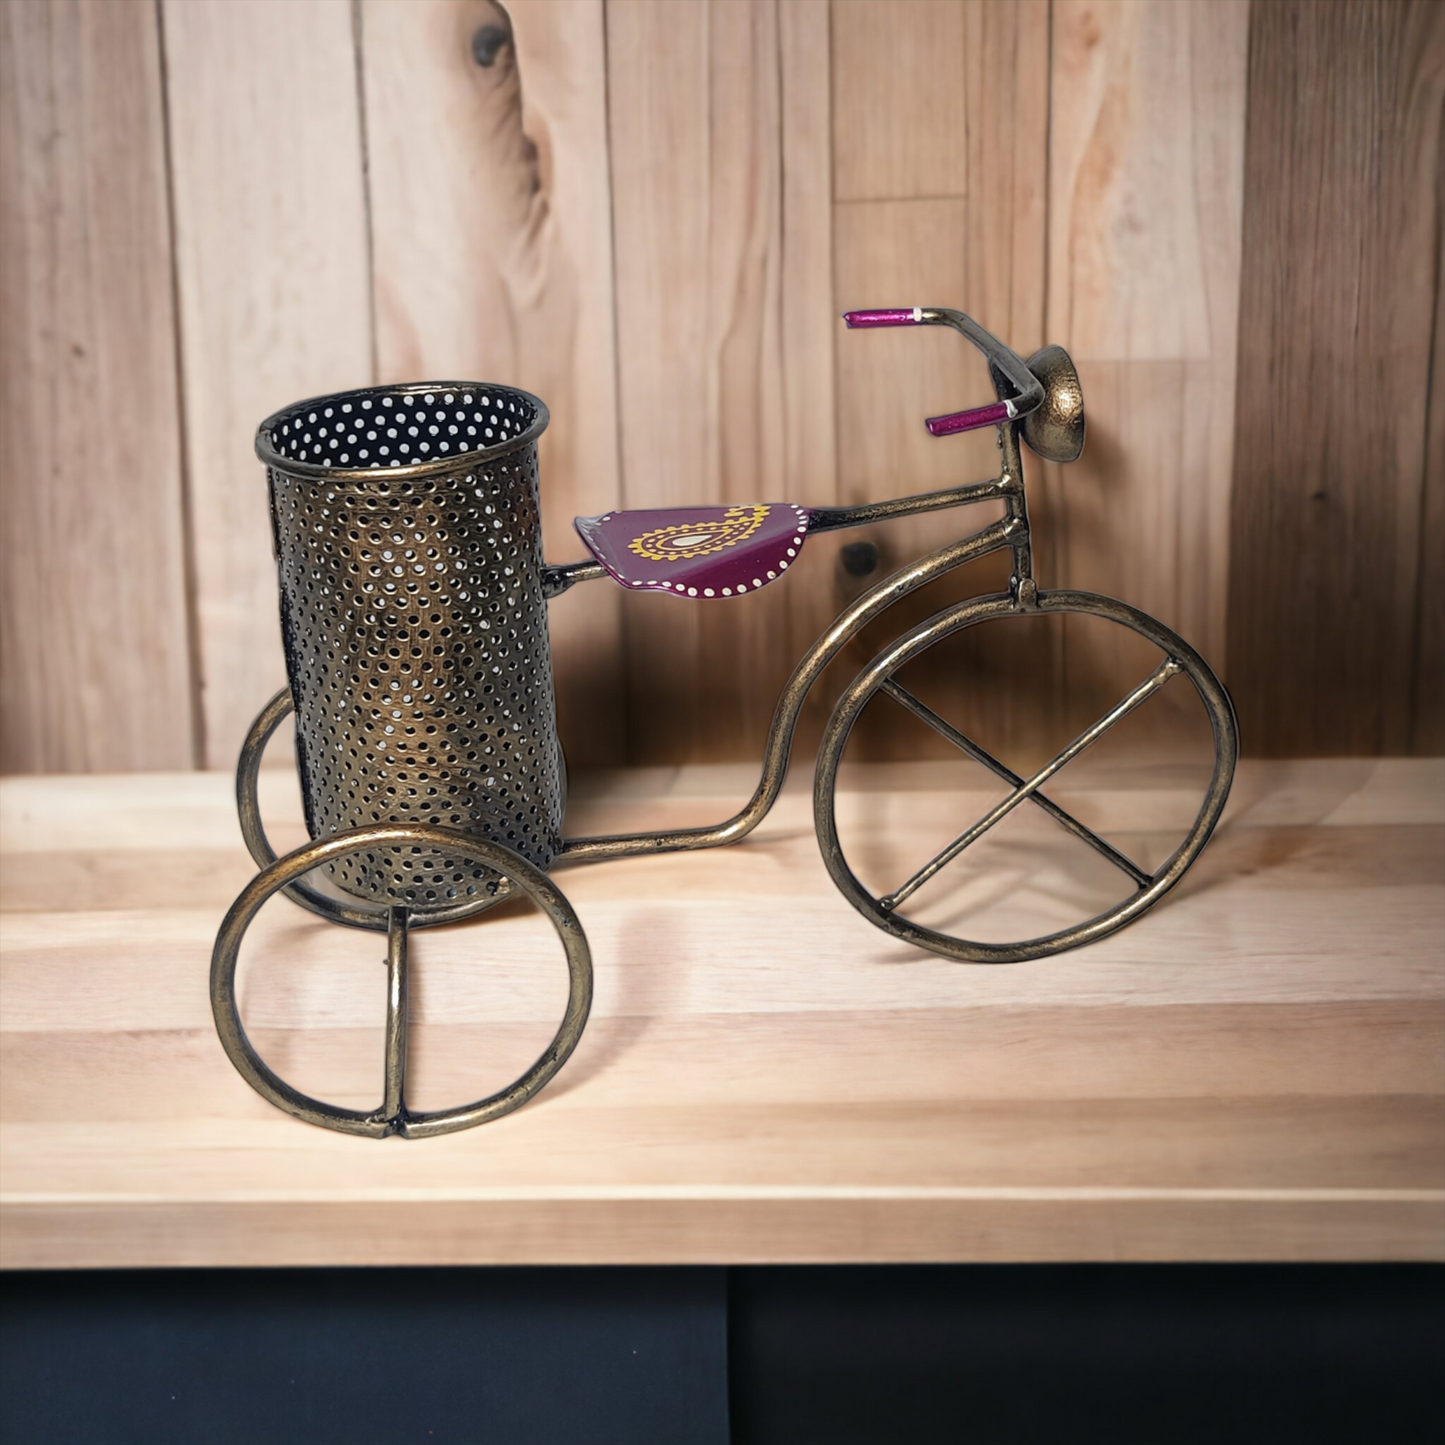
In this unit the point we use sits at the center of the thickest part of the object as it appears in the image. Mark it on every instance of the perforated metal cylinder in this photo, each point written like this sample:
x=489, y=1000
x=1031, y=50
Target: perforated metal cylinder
x=409, y=546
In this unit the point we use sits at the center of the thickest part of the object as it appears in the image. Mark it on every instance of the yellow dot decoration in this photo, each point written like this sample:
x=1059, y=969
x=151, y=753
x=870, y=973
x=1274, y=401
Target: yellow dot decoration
x=699, y=539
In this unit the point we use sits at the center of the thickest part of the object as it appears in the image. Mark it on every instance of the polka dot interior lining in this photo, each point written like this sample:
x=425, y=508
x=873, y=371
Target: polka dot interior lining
x=380, y=428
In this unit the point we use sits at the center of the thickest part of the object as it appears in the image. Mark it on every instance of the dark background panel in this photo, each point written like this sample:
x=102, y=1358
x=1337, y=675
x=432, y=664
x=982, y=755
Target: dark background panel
x=1037, y=1354
x=997, y=1353
x=364, y=1357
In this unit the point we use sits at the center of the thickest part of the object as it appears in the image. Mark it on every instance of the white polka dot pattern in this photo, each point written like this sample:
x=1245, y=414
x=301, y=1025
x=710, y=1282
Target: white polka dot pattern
x=398, y=428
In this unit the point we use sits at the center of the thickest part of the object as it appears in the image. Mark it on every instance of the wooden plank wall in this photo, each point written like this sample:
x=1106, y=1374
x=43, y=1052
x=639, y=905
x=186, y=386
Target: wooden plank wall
x=651, y=214
x=1338, y=529
x=1145, y=188
x=272, y=275
x=98, y=675
x=490, y=223
x=724, y=332
x=940, y=167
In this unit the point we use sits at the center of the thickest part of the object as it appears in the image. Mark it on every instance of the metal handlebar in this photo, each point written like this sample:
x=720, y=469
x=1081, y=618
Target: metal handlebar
x=1004, y=361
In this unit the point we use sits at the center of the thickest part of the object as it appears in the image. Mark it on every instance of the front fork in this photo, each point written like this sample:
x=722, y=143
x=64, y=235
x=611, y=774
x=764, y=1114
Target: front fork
x=1021, y=585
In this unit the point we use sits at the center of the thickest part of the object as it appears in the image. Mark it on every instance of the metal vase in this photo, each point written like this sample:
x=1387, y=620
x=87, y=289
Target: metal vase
x=409, y=546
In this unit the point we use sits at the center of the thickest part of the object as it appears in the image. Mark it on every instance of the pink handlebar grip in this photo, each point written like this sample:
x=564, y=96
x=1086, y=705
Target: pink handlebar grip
x=897, y=316
x=957, y=421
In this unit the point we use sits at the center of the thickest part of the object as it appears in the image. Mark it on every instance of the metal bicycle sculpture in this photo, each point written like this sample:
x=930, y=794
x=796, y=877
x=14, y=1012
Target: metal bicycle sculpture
x=413, y=610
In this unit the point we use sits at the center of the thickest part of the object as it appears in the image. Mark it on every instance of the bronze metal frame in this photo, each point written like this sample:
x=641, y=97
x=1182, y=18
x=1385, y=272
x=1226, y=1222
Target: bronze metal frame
x=1046, y=410
x=393, y=1117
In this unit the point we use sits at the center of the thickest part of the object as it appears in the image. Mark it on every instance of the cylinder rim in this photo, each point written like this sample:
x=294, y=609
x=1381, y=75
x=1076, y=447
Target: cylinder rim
x=437, y=466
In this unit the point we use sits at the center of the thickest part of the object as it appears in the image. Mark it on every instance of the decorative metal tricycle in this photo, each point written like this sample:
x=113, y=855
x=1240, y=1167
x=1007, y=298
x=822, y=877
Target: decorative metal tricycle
x=413, y=612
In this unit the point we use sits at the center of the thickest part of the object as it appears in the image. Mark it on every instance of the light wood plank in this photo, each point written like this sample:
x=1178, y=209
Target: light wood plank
x=724, y=381
x=1250, y=1072
x=900, y=113
x=491, y=219
x=796, y=615
x=962, y=226
x=1213, y=1052
x=1145, y=195
x=1336, y=604
x=1009, y=1225
x=1006, y=69
x=808, y=321
x=93, y=606
x=913, y=1149
x=274, y=294
x=1427, y=727
x=306, y=975
x=975, y=242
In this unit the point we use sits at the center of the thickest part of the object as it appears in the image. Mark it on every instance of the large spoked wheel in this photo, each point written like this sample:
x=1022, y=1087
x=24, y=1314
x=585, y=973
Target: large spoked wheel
x=393, y=1117
x=1148, y=887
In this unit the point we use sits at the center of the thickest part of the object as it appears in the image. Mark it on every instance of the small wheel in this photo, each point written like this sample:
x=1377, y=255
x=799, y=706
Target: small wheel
x=393, y=1117
x=1148, y=886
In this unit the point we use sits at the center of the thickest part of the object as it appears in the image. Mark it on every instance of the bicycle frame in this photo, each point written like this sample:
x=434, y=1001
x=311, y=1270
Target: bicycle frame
x=1006, y=368
x=1009, y=372
x=1038, y=401
x=1012, y=531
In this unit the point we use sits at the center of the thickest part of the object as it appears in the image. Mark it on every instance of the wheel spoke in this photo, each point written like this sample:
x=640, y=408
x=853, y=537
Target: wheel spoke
x=1146, y=689
x=1085, y=834
x=393, y=1104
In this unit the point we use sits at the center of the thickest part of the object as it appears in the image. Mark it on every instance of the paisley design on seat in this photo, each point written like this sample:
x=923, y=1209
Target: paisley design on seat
x=685, y=539
x=698, y=552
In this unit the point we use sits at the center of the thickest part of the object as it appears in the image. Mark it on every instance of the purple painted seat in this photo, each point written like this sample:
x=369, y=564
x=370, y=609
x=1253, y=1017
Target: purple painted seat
x=698, y=551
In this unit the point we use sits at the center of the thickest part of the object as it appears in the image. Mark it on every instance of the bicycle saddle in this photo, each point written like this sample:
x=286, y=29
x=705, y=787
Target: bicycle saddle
x=698, y=552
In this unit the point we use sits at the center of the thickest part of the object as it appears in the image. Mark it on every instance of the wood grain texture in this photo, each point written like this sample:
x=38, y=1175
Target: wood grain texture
x=1022, y=1225
x=651, y=214
x=1006, y=67
x=93, y=608
x=961, y=225
x=1427, y=704
x=1336, y=529
x=491, y=222
x=900, y=118
x=273, y=280
x=808, y=321
x=723, y=381
x=1252, y=1072
x=1145, y=193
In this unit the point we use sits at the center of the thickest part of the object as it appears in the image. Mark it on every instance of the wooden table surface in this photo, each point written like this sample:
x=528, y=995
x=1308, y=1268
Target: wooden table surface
x=1253, y=1071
